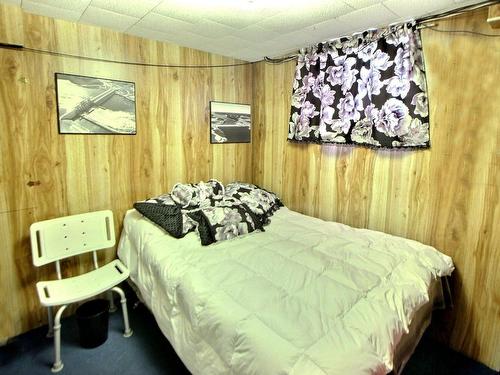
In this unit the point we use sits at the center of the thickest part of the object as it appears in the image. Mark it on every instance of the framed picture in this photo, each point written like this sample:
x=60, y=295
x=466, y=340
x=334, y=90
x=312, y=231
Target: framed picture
x=89, y=105
x=230, y=123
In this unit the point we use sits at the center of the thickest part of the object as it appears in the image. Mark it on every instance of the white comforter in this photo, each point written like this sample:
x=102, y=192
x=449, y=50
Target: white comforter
x=305, y=297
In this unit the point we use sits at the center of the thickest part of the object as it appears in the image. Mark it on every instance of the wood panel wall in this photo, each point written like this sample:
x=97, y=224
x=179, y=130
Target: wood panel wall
x=447, y=196
x=11, y=25
x=45, y=175
x=494, y=16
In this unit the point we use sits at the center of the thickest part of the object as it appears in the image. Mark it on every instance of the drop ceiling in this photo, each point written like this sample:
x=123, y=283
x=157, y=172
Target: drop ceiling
x=245, y=29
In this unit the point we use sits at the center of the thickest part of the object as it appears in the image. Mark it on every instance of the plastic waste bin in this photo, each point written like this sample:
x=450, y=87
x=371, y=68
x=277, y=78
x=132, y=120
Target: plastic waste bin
x=92, y=318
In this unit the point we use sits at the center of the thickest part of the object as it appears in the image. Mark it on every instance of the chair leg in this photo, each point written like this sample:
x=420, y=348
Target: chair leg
x=112, y=306
x=128, y=332
x=50, y=316
x=58, y=365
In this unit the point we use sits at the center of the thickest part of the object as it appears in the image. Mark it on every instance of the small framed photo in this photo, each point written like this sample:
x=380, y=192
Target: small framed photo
x=89, y=105
x=230, y=123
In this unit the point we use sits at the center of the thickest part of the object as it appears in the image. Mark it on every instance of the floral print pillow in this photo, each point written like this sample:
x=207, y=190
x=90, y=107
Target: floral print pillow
x=261, y=202
x=197, y=194
x=225, y=221
x=216, y=212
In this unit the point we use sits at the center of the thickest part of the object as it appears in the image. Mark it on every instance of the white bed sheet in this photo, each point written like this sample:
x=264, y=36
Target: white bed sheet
x=305, y=297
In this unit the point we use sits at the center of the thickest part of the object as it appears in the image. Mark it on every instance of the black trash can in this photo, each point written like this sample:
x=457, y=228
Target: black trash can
x=92, y=318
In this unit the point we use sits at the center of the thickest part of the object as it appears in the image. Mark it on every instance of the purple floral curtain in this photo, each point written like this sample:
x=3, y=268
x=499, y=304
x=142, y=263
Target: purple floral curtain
x=367, y=89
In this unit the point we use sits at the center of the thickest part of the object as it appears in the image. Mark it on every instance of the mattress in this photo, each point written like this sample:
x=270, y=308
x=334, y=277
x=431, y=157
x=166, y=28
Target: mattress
x=304, y=297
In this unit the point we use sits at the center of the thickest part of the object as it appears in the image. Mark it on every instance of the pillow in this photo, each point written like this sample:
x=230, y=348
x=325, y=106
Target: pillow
x=200, y=194
x=260, y=201
x=225, y=221
x=217, y=213
x=164, y=212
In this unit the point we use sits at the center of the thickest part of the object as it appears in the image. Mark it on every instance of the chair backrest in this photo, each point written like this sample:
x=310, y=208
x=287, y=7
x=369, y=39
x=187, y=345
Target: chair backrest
x=67, y=236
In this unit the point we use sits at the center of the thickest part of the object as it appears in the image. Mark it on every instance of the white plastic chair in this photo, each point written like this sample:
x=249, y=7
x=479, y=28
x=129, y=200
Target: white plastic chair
x=56, y=239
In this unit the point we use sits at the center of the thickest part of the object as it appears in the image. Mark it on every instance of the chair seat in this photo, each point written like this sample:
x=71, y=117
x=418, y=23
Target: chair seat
x=73, y=289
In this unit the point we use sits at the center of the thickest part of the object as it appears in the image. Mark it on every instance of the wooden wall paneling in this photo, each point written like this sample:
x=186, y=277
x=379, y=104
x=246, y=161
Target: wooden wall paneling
x=44, y=174
x=16, y=203
x=217, y=93
x=465, y=152
x=267, y=168
x=447, y=196
x=18, y=182
x=227, y=151
x=277, y=154
x=494, y=16
x=169, y=118
x=327, y=181
x=243, y=167
x=15, y=276
x=195, y=91
x=11, y=21
x=258, y=119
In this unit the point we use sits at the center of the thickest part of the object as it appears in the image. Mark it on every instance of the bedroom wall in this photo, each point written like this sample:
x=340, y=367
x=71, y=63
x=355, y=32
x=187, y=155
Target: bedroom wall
x=45, y=175
x=447, y=196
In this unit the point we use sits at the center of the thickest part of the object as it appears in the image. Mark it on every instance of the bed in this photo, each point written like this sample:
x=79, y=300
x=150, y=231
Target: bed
x=305, y=297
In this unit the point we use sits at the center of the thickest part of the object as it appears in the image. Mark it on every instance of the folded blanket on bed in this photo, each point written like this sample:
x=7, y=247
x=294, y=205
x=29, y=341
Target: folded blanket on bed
x=216, y=212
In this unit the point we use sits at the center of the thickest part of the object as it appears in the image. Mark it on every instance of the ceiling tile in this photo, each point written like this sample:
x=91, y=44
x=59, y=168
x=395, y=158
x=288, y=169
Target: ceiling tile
x=414, y=9
x=175, y=9
x=76, y=5
x=137, y=8
x=211, y=29
x=106, y=18
x=255, y=33
x=158, y=22
x=232, y=43
x=370, y=17
x=282, y=24
x=283, y=43
x=295, y=18
x=236, y=14
x=245, y=28
x=240, y=20
x=330, y=29
x=358, y=4
x=50, y=11
x=184, y=39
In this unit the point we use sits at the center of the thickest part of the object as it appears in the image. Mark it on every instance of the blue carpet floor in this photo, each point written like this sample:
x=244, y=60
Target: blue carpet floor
x=148, y=352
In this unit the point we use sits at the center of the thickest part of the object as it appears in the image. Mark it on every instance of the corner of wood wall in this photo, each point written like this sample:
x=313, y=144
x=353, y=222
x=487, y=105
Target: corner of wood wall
x=494, y=16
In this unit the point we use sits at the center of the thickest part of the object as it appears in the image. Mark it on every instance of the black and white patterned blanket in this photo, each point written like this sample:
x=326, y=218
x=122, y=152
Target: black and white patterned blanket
x=215, y=211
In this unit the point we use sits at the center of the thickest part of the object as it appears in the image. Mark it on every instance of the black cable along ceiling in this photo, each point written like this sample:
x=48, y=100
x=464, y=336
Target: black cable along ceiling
x=281, y=60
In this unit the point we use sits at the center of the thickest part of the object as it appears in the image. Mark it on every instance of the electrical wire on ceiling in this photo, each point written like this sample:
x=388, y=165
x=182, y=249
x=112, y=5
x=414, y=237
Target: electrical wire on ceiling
x=135, y=63
x=279, y=60
x=421, y=22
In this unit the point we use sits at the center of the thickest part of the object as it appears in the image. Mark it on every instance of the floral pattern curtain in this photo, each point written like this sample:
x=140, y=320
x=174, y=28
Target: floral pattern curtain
x=368, y=89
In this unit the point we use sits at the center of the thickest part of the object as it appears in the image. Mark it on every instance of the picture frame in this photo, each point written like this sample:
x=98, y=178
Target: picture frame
x=91, y=105
x=230, y=123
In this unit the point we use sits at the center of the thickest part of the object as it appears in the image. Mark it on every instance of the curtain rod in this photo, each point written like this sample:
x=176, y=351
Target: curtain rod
x=419, y=21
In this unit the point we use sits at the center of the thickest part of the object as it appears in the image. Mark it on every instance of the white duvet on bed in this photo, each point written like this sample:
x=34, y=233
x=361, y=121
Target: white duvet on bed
x=305, y=297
